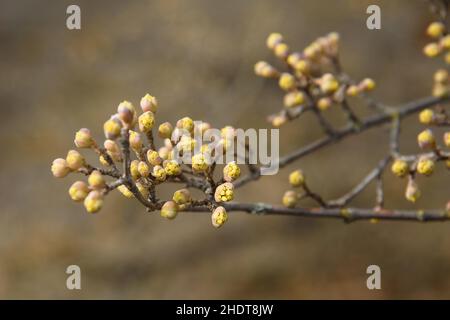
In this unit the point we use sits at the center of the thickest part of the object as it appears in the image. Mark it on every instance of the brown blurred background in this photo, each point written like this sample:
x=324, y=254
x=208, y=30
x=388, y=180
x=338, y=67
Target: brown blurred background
x=197, y=57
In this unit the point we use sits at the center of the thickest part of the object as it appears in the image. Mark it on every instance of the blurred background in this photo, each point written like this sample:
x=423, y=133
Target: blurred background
x=197, y=57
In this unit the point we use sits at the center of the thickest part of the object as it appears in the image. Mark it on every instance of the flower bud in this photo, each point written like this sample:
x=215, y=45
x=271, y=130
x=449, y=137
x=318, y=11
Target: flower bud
x=435, y=29
x=224, y=192
x=231, y=172
x=447, y=139
x=324, y=103
x=293, y=98
x=149, y=103
x=169, y=210
x=293, y=59
x=164, y=153
x=186, y=123
x=273, y=39
x=445, y=42
x=113, y=150
x=60, y=168
x=143, y=169
x=286, y=81
x=199, y=163
x=96, y=180
x=135, y=141
x=126, y=112
x=78, y=191
x=103, y=161
x=159, y=173
x=425, y=166
x=111, y=128
x=125, y=191
x=228, y=132
x=134, y=169
x=426, y=116
x=328, y=83
x=278, y=121
x=182, y=196
x=297, y=178
x=367, y=84
x=265, y=70
x=400, y=168
x=165, y=130
x=219, y=217
x=303, y=66
x=290, y=199
x=353, y=90
x=281, y=50
x=426, y=140
x=172, y=167
x=441, y=76
x=83, y=138
x=412, y=191
x=74, y=160
x=94, y=201
x=153, y=158
x=146, y=121
x=431, y=50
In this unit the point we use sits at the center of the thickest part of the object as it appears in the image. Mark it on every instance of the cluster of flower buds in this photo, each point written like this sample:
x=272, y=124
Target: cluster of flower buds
x=306, y=82
x=125, y=132
x=441, y=41
x=296, y=180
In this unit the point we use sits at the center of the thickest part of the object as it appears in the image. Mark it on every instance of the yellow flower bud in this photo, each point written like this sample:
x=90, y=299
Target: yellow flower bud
x=286, y=81
x=367, y=84
x=103, y=161
x=60, y=168
x=293, y=59
x=134, y=169
x=231, y=172
x=324, y=103
x=74, y=160
x=445, y=42
x=328, y=83
x=426, y=116
x=172, y=167
x=435, y=29
x=146, y=121
x=265, y=70
x=126, y=112
x=187, y=144
x=228, y=132
x=149, y=103
x=426, y=139
x=113, y=150
x=78, y=191
x=182, y=196
x=412, y=191
x=219, y=217
x=297, y=178
x=125, y=191
x=400, y=168
x=93, y=202
x=169, y=210
x=186, y=123
x=447, y=58
x=440, y=90
x=165, y=130
x=441, y=76
x=111, y=128
x=153, y=158
x=159, y=173
x=273, y=39
x=281, y=50
x=302, y=66
x=200, y=163
x=289, y=199
x=96, y=180
x=163, y=153
x=278, y=121
x=294, y=98
x=425, y=166
x=447, y=139
x=83, y=138
x=432, y=50
x=224, y=192
x=143, y=169
x=352, y=91
x=135, y=141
